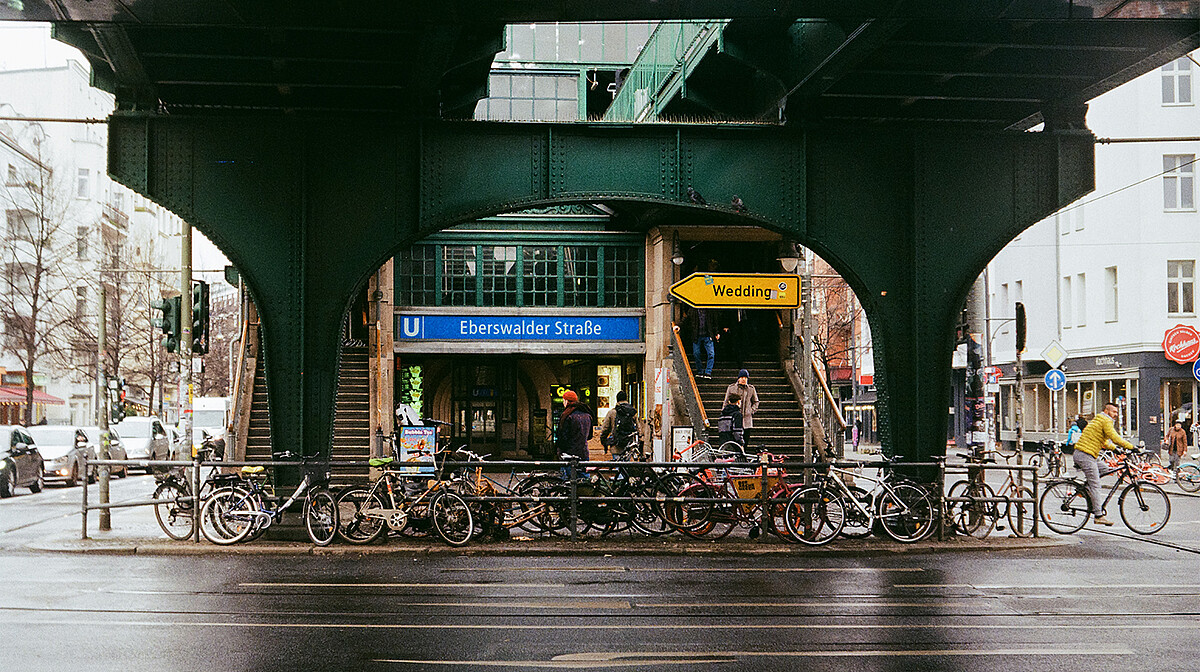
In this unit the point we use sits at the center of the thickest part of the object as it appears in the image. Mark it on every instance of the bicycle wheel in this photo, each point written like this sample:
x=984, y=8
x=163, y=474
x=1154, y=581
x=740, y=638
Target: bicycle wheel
x=973, y=518
x=814, y=515
x=858, y=520
x=1065, y=507
x=451, y=518
x=672, y=485
x=1043, y=464
x=174, y=510
x=1020, y=514
x=1147, y=511
x=354, y=523
x=321, y=516
x=907, y=512
x=228, y=516
x=1188, y=478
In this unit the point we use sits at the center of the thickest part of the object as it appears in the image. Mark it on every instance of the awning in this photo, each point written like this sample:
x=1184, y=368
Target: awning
x=16, y=395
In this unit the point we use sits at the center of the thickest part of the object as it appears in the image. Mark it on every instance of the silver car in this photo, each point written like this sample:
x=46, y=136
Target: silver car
x=116, y=448
x=64, y=451
x=145, y=439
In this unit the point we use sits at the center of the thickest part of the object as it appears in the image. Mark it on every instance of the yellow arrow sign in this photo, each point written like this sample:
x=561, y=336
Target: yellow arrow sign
x=739, y=290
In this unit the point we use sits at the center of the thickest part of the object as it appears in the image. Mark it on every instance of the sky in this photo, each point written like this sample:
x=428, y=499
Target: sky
x=25, y=45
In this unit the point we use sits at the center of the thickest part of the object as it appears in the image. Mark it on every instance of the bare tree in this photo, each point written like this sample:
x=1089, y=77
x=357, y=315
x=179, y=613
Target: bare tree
x=838, y=313
x=37, y=309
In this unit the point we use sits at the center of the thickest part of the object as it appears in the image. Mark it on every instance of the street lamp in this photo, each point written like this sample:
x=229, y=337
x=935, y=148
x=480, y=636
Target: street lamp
x=789, y=256
x=676, y=252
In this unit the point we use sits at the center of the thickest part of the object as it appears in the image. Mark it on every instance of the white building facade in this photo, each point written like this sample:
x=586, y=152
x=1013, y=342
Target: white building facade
x=1107, y=276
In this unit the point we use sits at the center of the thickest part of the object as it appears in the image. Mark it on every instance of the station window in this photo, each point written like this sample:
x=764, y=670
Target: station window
x=533, y=275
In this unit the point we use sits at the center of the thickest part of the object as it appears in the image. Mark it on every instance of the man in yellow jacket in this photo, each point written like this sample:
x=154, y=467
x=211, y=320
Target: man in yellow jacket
x=1087, y=454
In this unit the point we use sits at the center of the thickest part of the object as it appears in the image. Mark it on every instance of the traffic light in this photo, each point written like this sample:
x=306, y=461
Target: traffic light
x=169, y=322
x=200, y=318
x=116, y=398
x=1020, y=327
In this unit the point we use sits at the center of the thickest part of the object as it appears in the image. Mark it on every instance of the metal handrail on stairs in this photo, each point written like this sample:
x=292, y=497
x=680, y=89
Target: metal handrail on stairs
x=693, y=403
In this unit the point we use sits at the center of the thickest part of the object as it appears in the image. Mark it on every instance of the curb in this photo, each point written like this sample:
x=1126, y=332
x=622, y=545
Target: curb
x=846, y=548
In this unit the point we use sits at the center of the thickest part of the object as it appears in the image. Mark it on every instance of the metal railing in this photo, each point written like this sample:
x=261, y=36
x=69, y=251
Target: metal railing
x=661, y=67
x=785, y=471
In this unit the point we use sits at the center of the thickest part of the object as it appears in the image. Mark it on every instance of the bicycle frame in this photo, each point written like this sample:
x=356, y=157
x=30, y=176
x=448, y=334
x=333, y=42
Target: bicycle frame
x=881, y=488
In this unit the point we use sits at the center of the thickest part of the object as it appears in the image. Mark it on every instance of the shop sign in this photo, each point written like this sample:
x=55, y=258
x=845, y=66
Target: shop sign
x=518, y=328
x=1181, y=344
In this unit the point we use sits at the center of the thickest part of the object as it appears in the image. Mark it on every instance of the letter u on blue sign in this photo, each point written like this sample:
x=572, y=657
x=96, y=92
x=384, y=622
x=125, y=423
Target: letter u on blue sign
x=412, y=327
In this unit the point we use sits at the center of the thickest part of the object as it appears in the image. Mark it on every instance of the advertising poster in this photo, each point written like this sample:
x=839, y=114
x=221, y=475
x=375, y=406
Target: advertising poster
x=417, y=445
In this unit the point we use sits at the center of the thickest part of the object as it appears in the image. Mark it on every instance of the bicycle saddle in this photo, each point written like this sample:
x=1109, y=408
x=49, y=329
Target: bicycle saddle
x=249, y=471
x=380, y=461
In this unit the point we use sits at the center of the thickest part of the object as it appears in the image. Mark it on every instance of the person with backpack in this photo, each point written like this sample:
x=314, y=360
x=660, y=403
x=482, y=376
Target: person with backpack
x=619, y=425
x=729, y=425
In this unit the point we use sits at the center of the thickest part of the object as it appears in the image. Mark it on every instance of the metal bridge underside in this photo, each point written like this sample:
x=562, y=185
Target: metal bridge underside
x=310, y=141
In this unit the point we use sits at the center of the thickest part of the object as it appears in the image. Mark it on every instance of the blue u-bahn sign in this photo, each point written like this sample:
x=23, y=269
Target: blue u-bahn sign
x=518, y=328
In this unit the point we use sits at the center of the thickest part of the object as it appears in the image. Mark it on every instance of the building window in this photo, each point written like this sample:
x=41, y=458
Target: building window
x=1177, y=82
x=1181, y=287
x=520, y=275
x=81, y=297
x=83, y=184
x=1080, y=300
x=498, y=275
x=21, y=225
x=541, y=275
x=1064, y=308
x=1018, y=292
x=530, y=97
x=1179, y=182
x=81, y=242
x=622, y=276
x=1005, y=306
x=1110, y=294
x=12, y=180
x=458, y=275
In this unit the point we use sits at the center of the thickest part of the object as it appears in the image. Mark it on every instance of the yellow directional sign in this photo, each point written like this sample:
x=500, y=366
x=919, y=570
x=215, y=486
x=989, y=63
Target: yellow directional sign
x=739, y=290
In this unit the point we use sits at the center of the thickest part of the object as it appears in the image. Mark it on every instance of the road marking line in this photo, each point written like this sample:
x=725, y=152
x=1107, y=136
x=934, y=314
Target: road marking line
x=656, y=626
x=634, y=659
x=804, y=570
x=1062, y=586
x=843, y=603
x=401, y=585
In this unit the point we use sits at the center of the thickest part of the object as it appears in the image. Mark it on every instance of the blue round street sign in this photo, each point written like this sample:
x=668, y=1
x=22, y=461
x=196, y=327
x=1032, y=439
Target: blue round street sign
x=1196, y=370
x=1055, y=379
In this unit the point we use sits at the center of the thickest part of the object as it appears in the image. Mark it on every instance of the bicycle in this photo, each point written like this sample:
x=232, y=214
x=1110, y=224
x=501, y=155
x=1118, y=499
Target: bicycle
x=1066, y=504
x=496, y=518
x=235, y=513
x=1050, y=460
x=697, y=515
x=174, y=503
x=817, y=513
x=982, y=512
x=365, y=514
x=1187, y=475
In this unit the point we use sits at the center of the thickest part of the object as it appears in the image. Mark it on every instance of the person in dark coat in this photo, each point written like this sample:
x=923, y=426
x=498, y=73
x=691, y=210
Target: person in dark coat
x=574, y=427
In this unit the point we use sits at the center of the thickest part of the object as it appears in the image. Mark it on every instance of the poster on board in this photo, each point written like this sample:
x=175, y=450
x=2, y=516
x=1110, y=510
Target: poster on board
x=417, y=445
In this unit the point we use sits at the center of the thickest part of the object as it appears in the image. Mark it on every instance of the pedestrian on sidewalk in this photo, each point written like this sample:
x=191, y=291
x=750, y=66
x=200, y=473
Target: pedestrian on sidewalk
x=1176, y=444
x=1087, y=455
x=574, y=427
x=747, y=398
x=619, y=426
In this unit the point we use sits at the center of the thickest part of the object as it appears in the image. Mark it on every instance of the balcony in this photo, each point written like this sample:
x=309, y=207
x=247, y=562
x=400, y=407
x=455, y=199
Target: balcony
x=118, y=218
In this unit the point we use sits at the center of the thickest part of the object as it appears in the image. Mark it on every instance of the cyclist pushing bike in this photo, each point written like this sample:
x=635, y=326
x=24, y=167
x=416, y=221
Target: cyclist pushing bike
x=1087, y=454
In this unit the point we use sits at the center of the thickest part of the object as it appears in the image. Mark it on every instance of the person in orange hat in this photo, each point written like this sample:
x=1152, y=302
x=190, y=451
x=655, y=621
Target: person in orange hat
x=574, y=427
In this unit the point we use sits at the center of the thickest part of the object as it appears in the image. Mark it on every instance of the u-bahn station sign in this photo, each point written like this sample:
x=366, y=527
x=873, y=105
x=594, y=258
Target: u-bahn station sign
x=739, y=290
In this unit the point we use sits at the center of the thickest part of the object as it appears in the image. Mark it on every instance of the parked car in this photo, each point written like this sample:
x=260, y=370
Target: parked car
x=21, y=464
x=145, y=439
x=64, y=451
x=116, y=448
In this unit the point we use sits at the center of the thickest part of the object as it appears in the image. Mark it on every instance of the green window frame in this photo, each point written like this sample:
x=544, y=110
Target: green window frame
x=504, y=274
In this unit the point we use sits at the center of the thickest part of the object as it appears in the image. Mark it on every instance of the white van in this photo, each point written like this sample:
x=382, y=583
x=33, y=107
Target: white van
x=210, y=414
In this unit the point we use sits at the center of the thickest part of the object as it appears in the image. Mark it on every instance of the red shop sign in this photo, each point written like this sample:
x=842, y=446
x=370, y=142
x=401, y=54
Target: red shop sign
x=1181, y=344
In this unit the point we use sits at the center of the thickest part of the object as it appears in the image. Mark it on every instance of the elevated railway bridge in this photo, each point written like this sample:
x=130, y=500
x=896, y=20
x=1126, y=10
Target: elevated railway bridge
x=311, y=141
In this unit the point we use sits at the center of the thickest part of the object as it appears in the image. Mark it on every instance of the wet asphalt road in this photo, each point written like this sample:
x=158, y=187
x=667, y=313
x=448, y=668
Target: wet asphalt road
x=1099, y=602
x=1104, y=604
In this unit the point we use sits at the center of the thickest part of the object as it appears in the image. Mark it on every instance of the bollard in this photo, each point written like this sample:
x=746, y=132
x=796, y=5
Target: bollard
x=572, y=465
x=764, y=463
x=196, y=497
x=941, y=521
x=83, y=509
x=1037, y=504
